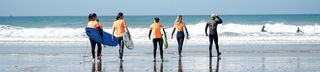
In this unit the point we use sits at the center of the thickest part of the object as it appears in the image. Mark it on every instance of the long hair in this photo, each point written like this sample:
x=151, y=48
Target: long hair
x=178, y=20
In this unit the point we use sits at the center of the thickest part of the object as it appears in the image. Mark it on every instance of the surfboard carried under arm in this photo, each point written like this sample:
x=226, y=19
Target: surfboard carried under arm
x=164, y=38
x=96, y=36
x=185, y=32
x=127, y=40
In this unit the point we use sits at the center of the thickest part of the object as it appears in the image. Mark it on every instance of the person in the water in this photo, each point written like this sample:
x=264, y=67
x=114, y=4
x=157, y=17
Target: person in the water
x=263, y=30
x=155, y=29
x=213, y=34
x=299, y=31
x=119, y=25
x=178, y=25
x=93, y=23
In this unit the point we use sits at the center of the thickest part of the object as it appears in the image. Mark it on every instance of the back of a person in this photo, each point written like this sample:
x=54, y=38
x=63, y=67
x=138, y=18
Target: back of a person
x=156, y=30
x=119, y=25
x=212, y=26
x=179, y=27
x=92, y=24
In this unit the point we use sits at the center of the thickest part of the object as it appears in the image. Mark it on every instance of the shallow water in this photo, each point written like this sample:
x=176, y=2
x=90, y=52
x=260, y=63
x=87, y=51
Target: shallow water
x=76, y=57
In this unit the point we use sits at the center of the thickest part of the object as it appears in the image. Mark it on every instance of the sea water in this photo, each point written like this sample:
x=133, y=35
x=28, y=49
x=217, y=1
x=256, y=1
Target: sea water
x=234, y=29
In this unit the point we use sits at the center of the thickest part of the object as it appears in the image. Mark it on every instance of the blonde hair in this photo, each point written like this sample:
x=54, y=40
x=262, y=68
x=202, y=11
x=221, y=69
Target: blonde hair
x=178, y=20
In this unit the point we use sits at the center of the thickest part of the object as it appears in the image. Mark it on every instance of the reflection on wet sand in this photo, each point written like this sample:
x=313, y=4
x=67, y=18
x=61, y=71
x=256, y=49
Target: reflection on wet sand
x=121, y=67
x=180, y=65
x=217, y=64
x=155, y=66
x=98, y=69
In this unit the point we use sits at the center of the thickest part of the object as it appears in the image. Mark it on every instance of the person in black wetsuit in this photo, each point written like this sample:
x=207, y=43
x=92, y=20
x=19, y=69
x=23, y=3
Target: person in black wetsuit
x=263, y=30
x=299, y=31
x=213, y=34
x=93, y=23
x=157, y=39
x=178, y=25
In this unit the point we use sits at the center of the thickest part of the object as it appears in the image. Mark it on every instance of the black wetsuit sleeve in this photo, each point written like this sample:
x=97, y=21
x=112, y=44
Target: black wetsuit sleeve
x=127, y=29
x=219, y=20
x=174, y=29
x=206, y=29
x=187, y=32
x=100, y=31
x=150, y=33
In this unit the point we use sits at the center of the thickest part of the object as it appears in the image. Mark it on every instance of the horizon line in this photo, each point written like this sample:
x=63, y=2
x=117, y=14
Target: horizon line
x=157, y=15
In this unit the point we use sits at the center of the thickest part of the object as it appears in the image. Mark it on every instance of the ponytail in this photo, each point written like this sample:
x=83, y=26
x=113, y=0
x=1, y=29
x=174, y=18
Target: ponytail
x=120, y=14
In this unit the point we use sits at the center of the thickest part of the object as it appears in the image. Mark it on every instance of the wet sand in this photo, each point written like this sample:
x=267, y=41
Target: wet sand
x=76, y=57
x=244, y=62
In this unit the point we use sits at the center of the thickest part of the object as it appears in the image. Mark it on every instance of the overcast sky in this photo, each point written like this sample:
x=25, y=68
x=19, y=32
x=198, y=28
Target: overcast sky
x=155, y=7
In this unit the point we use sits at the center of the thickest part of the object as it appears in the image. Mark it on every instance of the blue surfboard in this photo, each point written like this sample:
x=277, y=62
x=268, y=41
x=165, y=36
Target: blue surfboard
x=96, y=36
x=185, y=32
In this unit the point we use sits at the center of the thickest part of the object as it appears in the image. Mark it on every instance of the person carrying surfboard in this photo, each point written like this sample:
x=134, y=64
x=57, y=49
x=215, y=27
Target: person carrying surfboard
x=155, y=29
x=179, y=25
x=119, y=25
x=213, y=34
x=93, y=23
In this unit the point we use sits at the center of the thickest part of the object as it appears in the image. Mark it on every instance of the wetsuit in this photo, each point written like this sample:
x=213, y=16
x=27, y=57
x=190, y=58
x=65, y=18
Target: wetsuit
x=120, y=25
x=263, y=30
x=299, y=31
x=180, y=35
x=155, y=28
x=93, y=45
x=92, y=42
x=213, y=34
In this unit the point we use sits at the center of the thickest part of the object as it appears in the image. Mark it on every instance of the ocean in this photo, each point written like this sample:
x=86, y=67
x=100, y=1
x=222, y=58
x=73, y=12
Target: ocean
x=235, y=29
x=58, y=44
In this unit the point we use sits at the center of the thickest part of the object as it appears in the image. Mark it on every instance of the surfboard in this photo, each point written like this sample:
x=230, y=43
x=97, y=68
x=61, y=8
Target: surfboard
x=96, y=36
x=128, y=41
x=185, y=32
x=164, y=38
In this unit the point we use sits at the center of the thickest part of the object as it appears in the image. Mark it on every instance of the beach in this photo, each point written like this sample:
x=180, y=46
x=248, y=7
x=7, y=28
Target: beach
x=74, y=57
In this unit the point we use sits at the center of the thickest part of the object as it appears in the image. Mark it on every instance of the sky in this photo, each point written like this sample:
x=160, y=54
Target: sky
x=156, y=7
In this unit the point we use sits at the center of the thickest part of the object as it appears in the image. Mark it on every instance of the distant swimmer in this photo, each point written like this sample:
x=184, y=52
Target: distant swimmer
x=299, y=31
x=155, y=30
x=93, y=23
x=179, y=25
x=263, y=30
x=120, y=26
x=213, y=34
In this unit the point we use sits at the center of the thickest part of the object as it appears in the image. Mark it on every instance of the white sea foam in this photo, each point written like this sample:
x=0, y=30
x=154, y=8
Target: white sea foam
x=227, y=33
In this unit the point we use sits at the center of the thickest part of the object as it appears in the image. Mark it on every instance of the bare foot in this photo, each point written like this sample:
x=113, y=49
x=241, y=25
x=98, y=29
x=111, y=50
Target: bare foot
x=121, y=60
x=99, y=57
x=93, y=60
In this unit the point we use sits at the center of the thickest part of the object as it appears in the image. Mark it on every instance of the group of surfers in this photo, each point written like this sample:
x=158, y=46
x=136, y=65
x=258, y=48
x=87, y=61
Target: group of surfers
x=120, y=27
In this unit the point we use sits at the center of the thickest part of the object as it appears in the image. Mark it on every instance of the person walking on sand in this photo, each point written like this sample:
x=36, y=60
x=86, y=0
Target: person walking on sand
x=155, y=29
x=119, y=25
x=213, y=34
x=93, y=23
x=178, y=25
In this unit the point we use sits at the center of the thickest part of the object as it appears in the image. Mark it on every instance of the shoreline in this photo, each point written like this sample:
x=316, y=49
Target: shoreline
x=172, y=53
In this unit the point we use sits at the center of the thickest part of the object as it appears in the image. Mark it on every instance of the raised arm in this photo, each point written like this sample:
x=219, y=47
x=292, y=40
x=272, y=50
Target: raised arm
x=220, y=20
